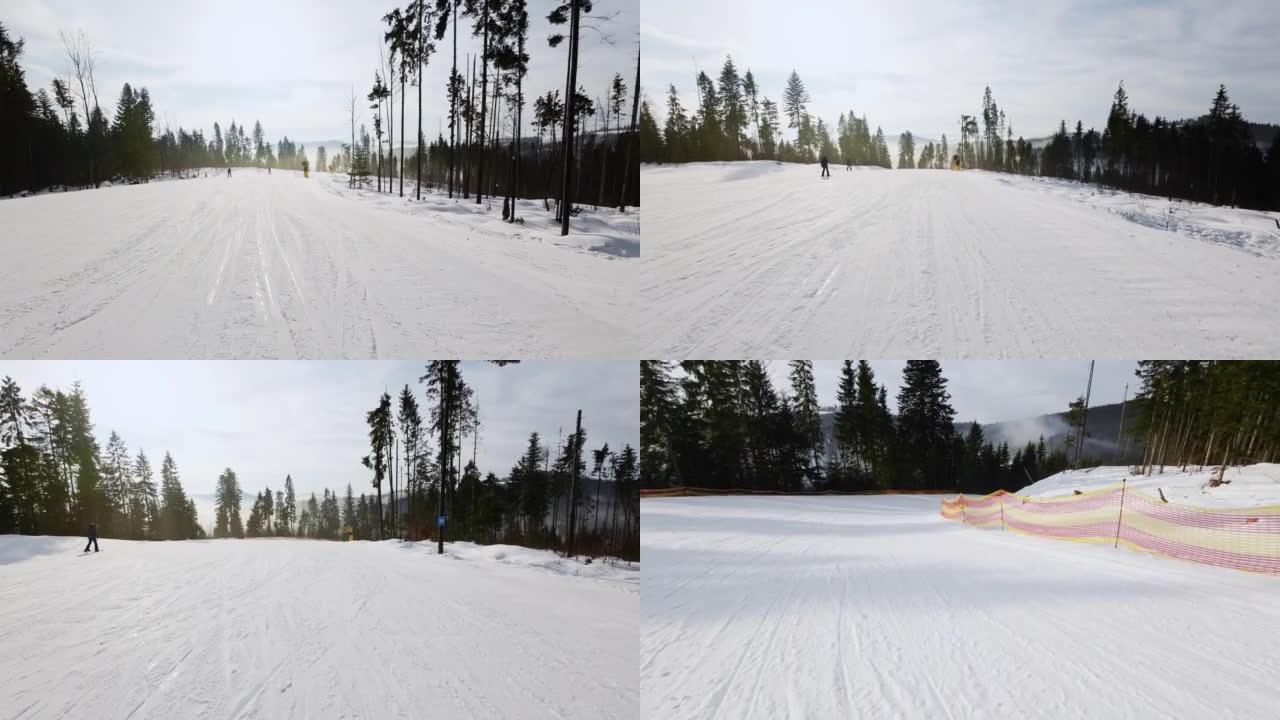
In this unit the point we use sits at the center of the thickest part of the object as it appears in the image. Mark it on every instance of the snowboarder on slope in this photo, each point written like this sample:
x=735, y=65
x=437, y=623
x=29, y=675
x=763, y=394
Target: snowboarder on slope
x=93, y=538
x=826, y=172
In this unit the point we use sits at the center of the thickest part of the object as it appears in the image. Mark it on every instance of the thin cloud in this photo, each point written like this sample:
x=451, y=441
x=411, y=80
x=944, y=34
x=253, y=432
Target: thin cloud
x=988, y=391
x=307, y=418
x=288, y=63
x=919, y=66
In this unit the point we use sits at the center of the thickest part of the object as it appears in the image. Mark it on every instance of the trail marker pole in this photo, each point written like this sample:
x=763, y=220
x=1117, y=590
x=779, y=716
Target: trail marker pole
x=1123, y=483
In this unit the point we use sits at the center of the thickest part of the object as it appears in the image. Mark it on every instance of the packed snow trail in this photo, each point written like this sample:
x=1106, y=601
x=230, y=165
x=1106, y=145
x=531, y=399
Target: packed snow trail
x=275, y=266
x=280, y=628
x=876, y=607
x=756, y=259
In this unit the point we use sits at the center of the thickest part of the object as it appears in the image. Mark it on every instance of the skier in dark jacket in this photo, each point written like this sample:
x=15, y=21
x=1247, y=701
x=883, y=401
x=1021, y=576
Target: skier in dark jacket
x=93, y=538
x=826, y=172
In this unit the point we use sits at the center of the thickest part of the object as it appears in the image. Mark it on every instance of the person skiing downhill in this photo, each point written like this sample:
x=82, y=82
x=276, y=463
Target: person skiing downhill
x=228, y=172
x=826, y=172
x=93, y=538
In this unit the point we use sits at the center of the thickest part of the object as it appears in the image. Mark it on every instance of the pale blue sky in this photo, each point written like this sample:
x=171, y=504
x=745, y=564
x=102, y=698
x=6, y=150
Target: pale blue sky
x=918, y=66
x=266, y=419
x=289, y=63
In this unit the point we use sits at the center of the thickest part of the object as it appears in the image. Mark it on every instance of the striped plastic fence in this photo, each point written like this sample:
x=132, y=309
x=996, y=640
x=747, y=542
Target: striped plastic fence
x=1245, y=538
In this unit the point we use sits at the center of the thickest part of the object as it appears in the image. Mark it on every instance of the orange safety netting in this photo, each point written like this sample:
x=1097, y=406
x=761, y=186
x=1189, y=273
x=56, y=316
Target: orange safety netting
x=1244, y=538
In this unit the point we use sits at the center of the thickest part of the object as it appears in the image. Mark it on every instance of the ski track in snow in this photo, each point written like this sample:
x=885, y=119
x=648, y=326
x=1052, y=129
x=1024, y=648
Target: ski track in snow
x=275, y=266
x=762, y=260
x=281, y=628
x=876, y=607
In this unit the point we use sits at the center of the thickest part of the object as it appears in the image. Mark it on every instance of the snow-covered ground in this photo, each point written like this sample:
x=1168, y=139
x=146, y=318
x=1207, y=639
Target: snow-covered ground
x=764, y=260
x=276, y=266
x=1243, y=487
x=279, y=628
x=876, y=607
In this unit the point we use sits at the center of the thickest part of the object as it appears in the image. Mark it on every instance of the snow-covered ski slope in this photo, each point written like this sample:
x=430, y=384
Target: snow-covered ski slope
x=876, y=607
x=275, y=266
x=1246, y=486
x=278, y=628
x=757, y=259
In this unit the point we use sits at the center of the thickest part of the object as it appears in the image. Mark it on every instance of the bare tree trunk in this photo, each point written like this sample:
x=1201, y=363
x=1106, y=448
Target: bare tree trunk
x=1164, y=434
x=604, y=159
x=351, y=160
x=635, y=139
x=484, y=87
x=1148, y=454
x=493, y=134
x=419, y=54
x=573, y=483
x=391, y=121
x=453, y=103
x=513, y=192
x=566, y=190
x=403, y=102
x=468, y=155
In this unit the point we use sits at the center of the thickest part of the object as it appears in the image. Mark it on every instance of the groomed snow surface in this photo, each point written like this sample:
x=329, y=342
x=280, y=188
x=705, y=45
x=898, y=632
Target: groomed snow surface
x=876, y=607
x=275, y=266
x=757, y=259
x=281, y=628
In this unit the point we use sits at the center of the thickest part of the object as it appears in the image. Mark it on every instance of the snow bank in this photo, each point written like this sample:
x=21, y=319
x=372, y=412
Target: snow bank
x=278, y=628
x=876, y=607
x=1252, y=231
x=601, y=230
x=758, y=259
x=610, y=569
x=1248, y=486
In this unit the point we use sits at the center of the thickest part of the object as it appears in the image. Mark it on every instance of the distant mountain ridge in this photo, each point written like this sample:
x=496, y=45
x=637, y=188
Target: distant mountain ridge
x=1102, y=431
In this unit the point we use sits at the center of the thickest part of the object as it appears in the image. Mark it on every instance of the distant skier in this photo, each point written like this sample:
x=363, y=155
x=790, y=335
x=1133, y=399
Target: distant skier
x=228, y=172
x=848, y=164
x=826, y=172
x=93, y=538
x=268, y=169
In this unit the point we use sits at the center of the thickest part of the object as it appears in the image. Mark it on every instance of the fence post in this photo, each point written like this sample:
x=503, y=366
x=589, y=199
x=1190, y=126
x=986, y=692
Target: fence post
x=1123, y=484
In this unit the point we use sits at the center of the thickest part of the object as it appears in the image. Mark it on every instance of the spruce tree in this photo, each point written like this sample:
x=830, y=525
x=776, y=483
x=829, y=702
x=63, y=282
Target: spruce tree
x=845, y=431
x=290, y=504
x=733, y=110
x=804, y=409
x=794, y=100
x=349, y=509
x=925, y=425
x=227, y=506
x=147, y=498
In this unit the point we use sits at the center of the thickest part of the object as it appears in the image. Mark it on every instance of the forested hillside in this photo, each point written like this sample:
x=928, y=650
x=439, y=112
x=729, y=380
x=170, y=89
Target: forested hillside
x=723, y=424
x=56, y=477
x=1215, y=158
